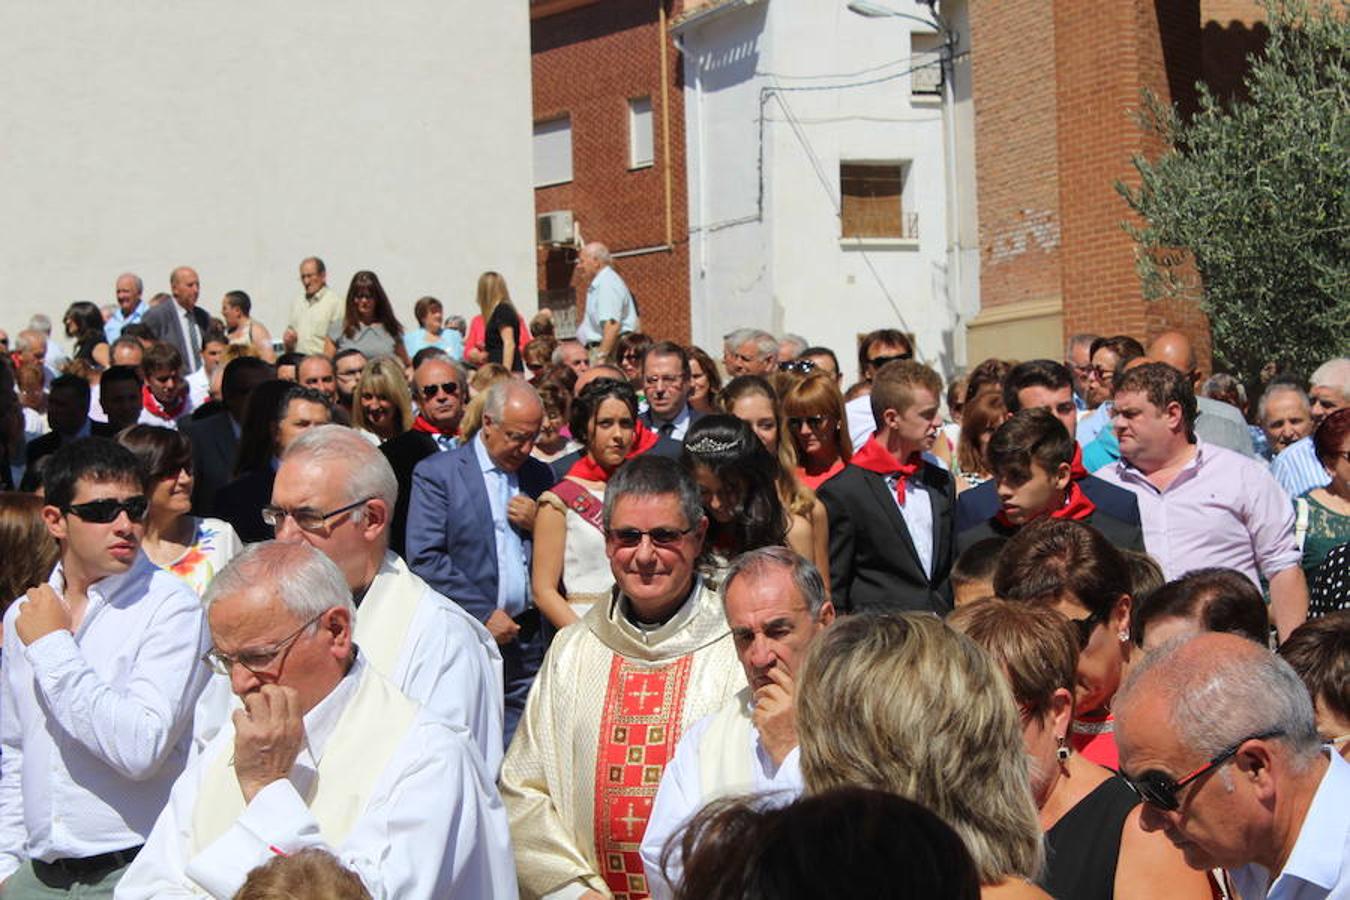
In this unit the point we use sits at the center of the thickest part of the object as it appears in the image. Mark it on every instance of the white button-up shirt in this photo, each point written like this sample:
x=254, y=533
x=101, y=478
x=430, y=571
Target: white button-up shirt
x=95, y=724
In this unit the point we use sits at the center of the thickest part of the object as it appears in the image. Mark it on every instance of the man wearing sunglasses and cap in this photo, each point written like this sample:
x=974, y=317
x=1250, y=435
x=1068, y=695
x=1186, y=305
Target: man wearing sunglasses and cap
x=100, y=672
x=1217, y=737
x=615, y=693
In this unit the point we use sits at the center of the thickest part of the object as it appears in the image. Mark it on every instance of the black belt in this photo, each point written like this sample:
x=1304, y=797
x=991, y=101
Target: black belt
x=83, y=867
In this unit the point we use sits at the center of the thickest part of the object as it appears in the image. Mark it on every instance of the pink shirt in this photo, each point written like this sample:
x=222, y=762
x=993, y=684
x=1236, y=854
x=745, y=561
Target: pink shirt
x=1222, y=509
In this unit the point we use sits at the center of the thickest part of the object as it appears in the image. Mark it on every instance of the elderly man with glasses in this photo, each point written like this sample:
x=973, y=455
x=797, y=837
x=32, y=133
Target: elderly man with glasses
x=325, y=752
x=99, y=675
x=616, y=692
x=334, y=491
x=1217, y=737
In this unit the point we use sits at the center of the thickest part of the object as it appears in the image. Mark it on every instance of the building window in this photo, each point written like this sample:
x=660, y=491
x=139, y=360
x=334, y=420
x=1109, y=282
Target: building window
x=925, y=61
x=640, y=132
x=871, y=201
x=553, y=152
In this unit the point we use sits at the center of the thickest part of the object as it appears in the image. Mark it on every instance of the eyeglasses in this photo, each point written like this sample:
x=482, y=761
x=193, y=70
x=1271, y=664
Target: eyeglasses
x=450, y=388
x=815, y=422
x=661, y=537
x=877, y=362
x=256, y=661
x=1160, y=791
x=306, y=519
x=101, y=512
x=1100, y=374
x=1085, y=627
x=799, y=366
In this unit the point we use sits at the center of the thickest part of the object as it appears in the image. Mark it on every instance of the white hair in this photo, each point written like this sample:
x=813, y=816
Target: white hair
x=765, y=343
x=367, y=472
x=1334, y=373
x=306, y=581
x=1280, y=388
x=557, y=357
x=41, y=323
x=805, y=576
x=1215, y=700
x=795, y=342
x=494, y=402
x=140, y=286
x=598, y=252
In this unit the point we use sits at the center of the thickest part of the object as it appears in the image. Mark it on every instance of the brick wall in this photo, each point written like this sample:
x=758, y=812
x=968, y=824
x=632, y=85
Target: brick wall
x=587, y=63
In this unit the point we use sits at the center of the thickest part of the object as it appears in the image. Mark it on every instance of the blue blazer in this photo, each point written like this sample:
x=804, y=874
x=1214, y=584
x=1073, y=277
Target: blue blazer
x=450, y=540
x=976, y=506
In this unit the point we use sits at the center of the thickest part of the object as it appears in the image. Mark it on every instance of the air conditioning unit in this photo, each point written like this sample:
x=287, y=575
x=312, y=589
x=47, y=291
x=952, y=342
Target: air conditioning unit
x=555, y=227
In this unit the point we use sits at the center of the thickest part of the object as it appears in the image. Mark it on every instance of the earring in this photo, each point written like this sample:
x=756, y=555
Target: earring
x=1062, y=751
x=1123, y=635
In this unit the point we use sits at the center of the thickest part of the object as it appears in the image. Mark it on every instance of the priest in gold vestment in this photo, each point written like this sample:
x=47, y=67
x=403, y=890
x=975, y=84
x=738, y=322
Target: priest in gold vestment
x=615, y=693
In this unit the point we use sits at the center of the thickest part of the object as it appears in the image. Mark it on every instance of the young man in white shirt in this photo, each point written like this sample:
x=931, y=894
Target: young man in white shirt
x=100, y=672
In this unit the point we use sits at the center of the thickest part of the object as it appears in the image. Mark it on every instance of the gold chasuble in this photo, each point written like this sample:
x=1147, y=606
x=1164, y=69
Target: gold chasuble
x=602, y=721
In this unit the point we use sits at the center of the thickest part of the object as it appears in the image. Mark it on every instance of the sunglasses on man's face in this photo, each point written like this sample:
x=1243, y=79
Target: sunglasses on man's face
x=877, y=362
x=661, y=537
x=429, y=391
x=1160, y=791
x=101, y=512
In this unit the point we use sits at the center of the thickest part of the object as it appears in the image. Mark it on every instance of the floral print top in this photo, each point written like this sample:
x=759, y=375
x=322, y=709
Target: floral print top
x=214, y=543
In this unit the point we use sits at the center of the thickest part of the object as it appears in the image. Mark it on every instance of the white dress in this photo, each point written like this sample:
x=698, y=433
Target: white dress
x=586, y=574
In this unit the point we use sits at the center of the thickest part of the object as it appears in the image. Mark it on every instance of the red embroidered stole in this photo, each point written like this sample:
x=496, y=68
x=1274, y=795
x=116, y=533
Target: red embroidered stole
x=638, y=732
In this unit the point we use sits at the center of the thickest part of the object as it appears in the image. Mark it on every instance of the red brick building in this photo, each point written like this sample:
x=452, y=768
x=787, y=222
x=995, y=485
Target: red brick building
x=608, y=97
x=1055, y=85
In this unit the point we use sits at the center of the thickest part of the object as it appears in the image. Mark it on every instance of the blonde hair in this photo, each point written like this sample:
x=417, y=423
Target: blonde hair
x=383, y=376
x=310, y=874
x=905, y=704
x=491, y=291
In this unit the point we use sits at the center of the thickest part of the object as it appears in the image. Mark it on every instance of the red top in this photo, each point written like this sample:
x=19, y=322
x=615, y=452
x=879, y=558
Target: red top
x=815, y=481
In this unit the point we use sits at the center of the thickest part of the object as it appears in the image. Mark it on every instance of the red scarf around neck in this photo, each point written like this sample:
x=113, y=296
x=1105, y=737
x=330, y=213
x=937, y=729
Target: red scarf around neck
x=422, y=424
x=1076, y=508
x=149, y=402
x=587, y=469
x=875, y=458
x=1076, y=470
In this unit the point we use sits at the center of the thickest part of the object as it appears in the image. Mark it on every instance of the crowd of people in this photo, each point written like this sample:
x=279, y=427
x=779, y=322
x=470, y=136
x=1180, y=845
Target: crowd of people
x=477, y=609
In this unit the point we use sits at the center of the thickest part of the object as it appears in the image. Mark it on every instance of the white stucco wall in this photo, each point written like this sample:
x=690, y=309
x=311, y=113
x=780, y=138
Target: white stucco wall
x=809, y=281
x=240, y=137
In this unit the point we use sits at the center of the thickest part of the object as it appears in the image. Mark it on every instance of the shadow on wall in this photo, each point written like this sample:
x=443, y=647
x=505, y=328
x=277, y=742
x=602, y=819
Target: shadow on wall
x=734, y=60
x=1223, y=55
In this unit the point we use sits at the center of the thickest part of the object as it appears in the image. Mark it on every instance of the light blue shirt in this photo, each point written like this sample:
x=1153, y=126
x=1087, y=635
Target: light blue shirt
x=451, y=341
x=1090, y=425
x=513, y=575
x=607, y=300
x=1318, y=867
x=1298, y=470
x=112, y=329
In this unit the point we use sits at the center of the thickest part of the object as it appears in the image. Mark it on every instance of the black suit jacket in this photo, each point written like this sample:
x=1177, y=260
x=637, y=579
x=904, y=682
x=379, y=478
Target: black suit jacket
x=404, y=453
x=646, y=417
x=213, y=449
x=873, y=564
x=241, y=501
x=163, y=321
x=980, y=503
x=42, y=447
x=1121, y=534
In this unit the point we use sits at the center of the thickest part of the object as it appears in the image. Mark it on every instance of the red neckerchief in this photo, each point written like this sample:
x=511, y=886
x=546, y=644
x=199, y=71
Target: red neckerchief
x=875, y=458
x=422, y=424
x=1076, y=508
x=149, y=402
x=588, y=469
x=1076, y=470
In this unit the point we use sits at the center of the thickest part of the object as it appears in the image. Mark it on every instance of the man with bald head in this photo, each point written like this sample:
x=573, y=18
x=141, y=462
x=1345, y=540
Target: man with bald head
x=441, y=390
x=1219, y=423
x=1217, y=737
x=1285, y=415
x=181, y=323
x=130, y=307
x=610, y=309
x=470, y=515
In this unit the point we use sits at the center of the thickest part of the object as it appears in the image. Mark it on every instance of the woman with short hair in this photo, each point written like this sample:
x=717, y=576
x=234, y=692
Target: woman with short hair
x=431, y=331
x=1095, y=846
x=240, y=330
x=905, y=704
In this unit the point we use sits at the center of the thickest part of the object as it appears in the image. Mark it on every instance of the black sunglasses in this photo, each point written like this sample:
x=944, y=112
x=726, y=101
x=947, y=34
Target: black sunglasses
x=878, y=361
x=451, y=388
x=799, y=366
x=1160, y=791
x=816, y=422
x=661, y=537
x=101, y=512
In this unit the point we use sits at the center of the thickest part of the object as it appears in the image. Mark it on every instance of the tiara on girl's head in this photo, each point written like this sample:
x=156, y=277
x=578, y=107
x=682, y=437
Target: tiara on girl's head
x=706, y=444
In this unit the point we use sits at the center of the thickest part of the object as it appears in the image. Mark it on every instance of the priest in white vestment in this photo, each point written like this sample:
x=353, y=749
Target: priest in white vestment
x=325, y=752
x=775, y=605
x=616, y=691
x=336, y=491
